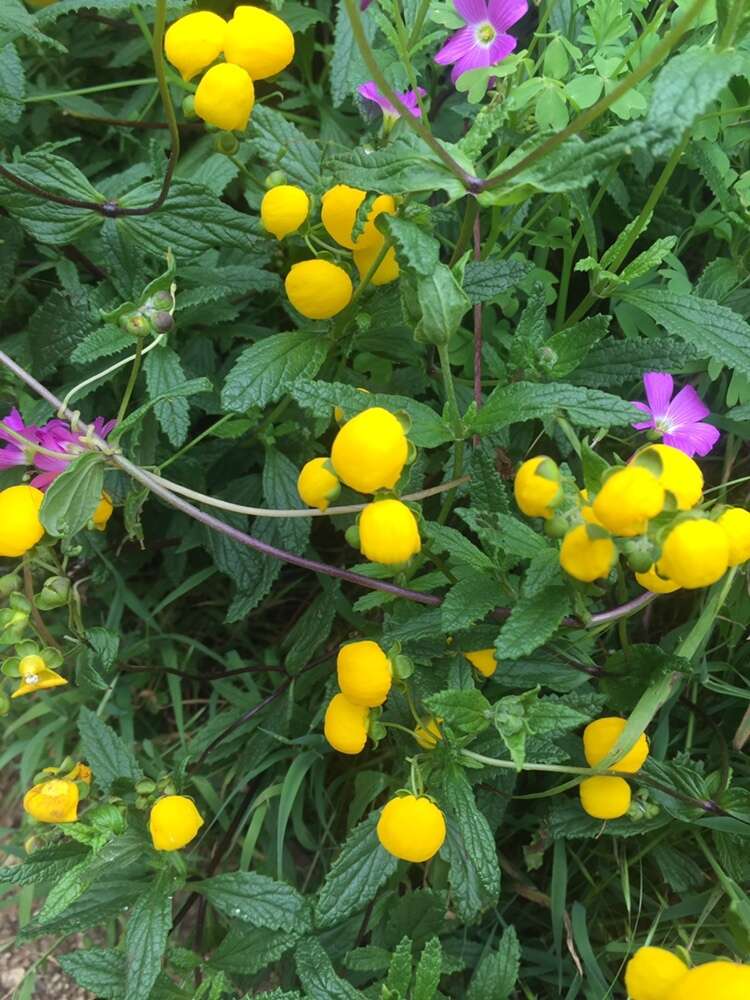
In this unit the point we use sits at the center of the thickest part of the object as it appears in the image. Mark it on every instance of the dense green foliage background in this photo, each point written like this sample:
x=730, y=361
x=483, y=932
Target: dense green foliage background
x=618, y=249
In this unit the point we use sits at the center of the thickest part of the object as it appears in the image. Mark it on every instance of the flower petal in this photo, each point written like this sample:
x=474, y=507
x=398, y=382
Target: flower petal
x=686, y=408
x=658, y=386
x=472, y=11
x=456, y=47
x=476, y=58
x=502, y=47
x=504, y=13
x=693, y=439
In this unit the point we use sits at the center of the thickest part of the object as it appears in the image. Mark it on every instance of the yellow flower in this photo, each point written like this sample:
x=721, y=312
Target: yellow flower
x=695, y=554
x=174, y=822
x=484, y=660
x=652, y=972
x=713, y=981
x=53, y=801
x=587, y=511
x=20, y=527
x=102, y=513
x=225, y=97
x=627, y=501
x=194, y=41
x=736, y=522
x=388, y=269
x=364, y=673
x=388, y=532
x=427, y=733
x=35, y=675
x=338, y=214
x=680, y=474
x=345, y=725
x=283, y=210
x=601, y=735
x=258, y=41
x=536, y=486
x=604, y=797
x=411, y=828
x=650, y=580
x=370, y=451
x=318, y=289
x=316, y=484
x=584, y=557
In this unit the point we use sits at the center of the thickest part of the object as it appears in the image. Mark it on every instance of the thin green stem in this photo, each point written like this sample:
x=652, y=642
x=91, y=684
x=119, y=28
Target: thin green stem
x=131, y=382
x=467, y=228
x=342, y=322
x=419, y=19
x=468, y=180
x=585, y=119
x=196, y=440
x=98, y=89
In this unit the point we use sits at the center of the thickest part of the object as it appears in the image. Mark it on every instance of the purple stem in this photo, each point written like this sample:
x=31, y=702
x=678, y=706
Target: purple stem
x=153, y=484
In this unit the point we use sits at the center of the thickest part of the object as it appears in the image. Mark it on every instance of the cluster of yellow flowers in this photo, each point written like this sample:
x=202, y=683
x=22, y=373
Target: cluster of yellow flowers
x=256, y=45
x=605, y=796
x=365, y=676
x=368, y=454
x=319, y=289
x=658, y=974
x=649, y=510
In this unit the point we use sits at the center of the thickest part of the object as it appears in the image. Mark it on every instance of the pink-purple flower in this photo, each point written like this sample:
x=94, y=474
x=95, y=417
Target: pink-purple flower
x=12, y=451
x=409, y=98
x=680, y=421
x=484, y=41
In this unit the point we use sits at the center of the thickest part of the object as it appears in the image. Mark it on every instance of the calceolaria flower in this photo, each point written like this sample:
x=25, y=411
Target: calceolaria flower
x=388, y=532
x=258, y=41
x=283, y=209
x=695, y=553
x=316, y=484
x=370, y=451
x=386, y=271
x=225, y=97
x=484, y=660
x=54, y=801
x=194, y=41
x=587, y=553
x=345, y=725
x=484, y=41
x=364, y=673
x=427, y=733
x=338, y=214
x=628, y=499
x=35, y=675
x=679, y=474
x=713, y=981
x=411, y=828
x=318, y=289
x=600, y=736
x=174, y=822
x=652, y=972
x=605, y=797
x=20, y=526
x=680, y=421
x=536, y=486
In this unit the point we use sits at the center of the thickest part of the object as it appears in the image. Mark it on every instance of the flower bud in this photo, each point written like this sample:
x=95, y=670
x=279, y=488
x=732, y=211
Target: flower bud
x=162, y=300
x=145, y=786
x=55, y=593
x=274, y=179
x=188, y=107
x=107, y=819
x=226, y=143
x=135, y=324
x=162, y=321
x=8, y=584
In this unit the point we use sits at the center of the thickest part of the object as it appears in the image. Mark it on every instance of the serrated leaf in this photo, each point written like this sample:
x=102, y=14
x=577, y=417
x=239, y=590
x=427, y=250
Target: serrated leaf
x=178, y=391
x=466, y=712
x=544, y=571
x=355, y=876
x=415, y=248
x=428, y=971
x=498, y=971
x=468, y=601
x=532, y=622
x=460, y=549
x=716, y=331
x=48, y=863
x=109, y=758
x=504, y=532
x=99, y=970
x=484, y=280
x=564, y=351
x=347, y=67
x=246, y=950
x=616, y=362
x=71, y=500
x=101, y=343
x=512, y=404
x=263, y=372
x=468, y=895
x=146, y=939
x=478, y=839
x=406, y=166
x=284, y=147
x=256, y=899
x=164, y=373
x=12, y=85
x=316, y=974
x=399, y=972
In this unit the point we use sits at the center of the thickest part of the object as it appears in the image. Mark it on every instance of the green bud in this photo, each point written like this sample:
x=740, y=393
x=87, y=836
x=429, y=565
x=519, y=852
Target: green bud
x=141, y=802
x=556, y=526
x=55, y=593
x=274, y=179
x=145, y=786
x=640, y=553
x=135, y=324
x=443, y=304
x=67, y=765
x=162, y=321
x=162, y=300
x=188, y=107
x=107, y=818
x=352, y=536
x=8, y=584
x=403, y=667
x=4, y=703
x=226, y=143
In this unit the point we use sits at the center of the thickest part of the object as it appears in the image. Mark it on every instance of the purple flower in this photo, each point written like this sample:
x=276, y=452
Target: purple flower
x=409, y=98
x=57, y=436
x=13, y=453
x=484, y=41
x=678, y=420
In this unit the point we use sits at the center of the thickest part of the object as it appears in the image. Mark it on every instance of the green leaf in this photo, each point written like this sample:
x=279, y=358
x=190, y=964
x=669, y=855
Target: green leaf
x=257, y=900
x=465, y=712
x=406, y=166
x=468, y=895
x=146, y=938
x=71, y=500
x=47, y=221
x=415, y=248
x=399, y=972
x=484, y=280
x=12, y=85
x=164, y=373
x=284, y=147
x=429, y=968
x=99, y=970
x=347, y=67
x=461, y=551
x=468, y=601
x=715, y=331
x=505, y=532
x=498, y=971
x=563, y=352
x=16, y=21
x=179, y=391
x=106, y=898
x=109, y=758
x=65, y=891
x=264, y=372
x=442, y=304
x=532, y=622
x=478, y=838
x=616, y=362
x=544, y=571
x=316, y=974
x=102, y=342
x=355, y=876
x=512, y=404
x=191, y=221
x=46, y=864
x=427, y=428
x=246, y=950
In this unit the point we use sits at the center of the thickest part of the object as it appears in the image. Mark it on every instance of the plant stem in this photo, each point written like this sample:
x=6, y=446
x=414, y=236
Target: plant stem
x=419, y=20
x=112, y=368
x=131, y=382
x=477, y=326
x=196, y=440
x=341, y=323
x=467, y=228
x=90, y=90
x=28, y=586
